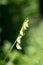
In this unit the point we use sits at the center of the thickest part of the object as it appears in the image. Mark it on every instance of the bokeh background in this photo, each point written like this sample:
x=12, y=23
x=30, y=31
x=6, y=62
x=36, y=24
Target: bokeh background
x=12, y=15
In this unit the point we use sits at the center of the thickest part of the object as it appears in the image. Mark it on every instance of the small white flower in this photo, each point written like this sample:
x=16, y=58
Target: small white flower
x=21, y=33
x=18, y=46
x=25, y=25
x=18, y=40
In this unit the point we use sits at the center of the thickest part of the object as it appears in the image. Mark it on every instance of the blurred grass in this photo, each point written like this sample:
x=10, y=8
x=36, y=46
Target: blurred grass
x=32, y=42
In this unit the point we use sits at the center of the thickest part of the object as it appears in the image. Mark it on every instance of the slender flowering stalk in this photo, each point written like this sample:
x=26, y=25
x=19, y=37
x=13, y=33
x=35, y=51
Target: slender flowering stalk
x=18, y=39
x=21, y=34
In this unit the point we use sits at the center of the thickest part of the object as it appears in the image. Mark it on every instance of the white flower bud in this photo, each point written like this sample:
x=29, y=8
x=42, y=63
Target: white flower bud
x=18, y=46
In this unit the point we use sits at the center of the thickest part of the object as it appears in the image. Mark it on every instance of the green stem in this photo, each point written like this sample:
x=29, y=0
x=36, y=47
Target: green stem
x=10, y=50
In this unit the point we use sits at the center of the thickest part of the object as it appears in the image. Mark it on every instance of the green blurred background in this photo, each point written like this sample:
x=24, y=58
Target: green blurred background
x=12, y=15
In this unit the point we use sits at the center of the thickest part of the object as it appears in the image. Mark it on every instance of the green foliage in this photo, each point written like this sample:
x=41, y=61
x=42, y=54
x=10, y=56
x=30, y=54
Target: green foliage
x=2, y=62
x=29, y=47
